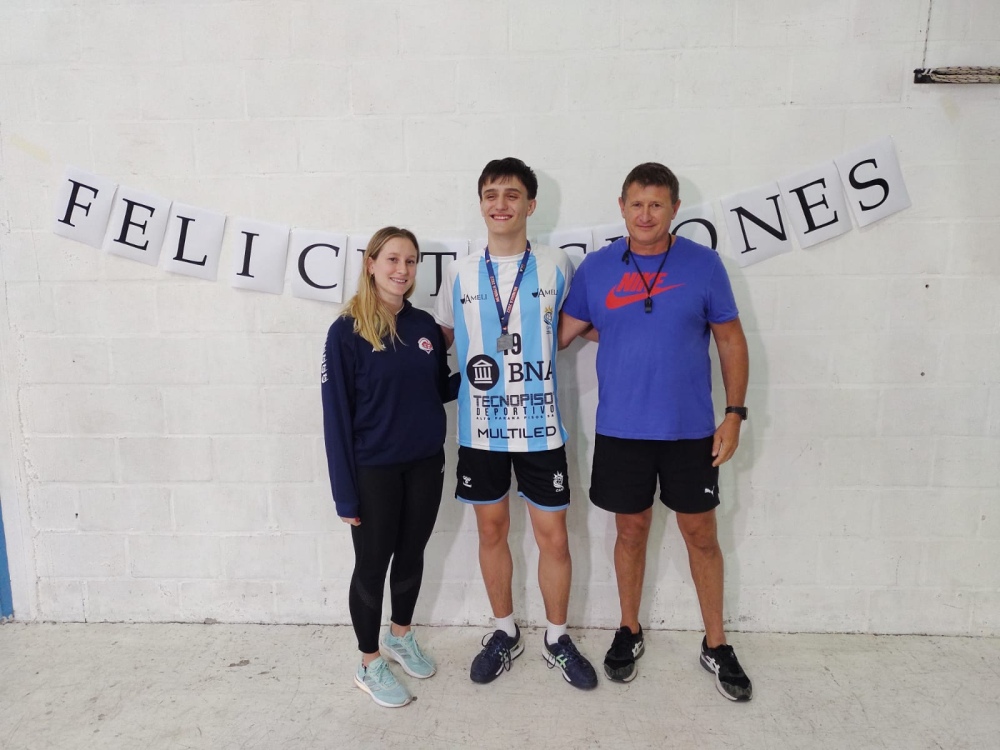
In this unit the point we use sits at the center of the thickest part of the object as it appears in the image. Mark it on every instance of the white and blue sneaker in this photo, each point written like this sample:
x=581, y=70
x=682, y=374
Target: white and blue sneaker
x=405, y=652
x=576, y=669
x=381, y=684
x=499, y=650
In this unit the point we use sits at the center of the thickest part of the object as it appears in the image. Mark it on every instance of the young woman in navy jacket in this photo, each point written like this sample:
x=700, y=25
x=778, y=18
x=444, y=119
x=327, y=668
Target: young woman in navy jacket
x=385, y=380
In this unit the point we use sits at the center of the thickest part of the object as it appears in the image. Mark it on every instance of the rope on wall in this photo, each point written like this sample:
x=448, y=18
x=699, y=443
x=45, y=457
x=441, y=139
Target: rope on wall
x=956, y=74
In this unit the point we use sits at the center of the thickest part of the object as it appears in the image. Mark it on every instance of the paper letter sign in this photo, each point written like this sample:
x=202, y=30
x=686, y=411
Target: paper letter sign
x=259, y=253
x=756, y=225
x=816, y=205
x=577, y=243
x=194, y=241
x=83, y=206
x=435, y=255
x=873, y=181
x=698, y=224
x=356, y=245
x=138, y=221
x=318, y=260
x=606, y=234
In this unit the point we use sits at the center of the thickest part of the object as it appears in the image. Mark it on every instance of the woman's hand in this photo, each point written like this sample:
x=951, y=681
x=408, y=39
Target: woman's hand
x=352, y=521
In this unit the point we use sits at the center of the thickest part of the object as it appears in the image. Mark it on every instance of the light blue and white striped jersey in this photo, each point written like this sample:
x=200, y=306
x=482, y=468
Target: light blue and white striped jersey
x=507, y=402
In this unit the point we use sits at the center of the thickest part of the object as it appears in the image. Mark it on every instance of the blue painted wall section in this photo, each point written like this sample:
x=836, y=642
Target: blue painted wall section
x=6, y=600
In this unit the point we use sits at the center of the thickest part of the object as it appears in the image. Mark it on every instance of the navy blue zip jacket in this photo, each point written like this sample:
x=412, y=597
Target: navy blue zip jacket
x=382, y=407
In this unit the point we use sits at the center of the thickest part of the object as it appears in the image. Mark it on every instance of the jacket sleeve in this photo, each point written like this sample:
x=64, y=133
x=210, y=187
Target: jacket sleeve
x=337, y=385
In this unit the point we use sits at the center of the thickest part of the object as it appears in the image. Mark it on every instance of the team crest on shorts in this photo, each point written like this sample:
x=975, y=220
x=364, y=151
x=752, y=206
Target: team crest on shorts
x=557, y=481
x=425, y=345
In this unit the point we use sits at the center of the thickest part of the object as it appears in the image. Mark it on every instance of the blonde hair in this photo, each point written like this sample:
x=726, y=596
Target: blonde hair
x=373, y=320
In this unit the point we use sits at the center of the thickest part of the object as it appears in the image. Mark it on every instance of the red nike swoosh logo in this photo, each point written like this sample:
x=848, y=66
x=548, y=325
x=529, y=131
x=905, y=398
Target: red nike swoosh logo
x=622, y=294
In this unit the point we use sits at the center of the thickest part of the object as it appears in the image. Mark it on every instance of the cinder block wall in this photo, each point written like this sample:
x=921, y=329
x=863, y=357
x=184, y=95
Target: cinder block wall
x=161, y=455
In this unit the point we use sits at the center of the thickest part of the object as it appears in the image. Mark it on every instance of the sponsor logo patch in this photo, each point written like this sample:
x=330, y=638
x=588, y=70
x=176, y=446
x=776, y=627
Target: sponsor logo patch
x=544, y=293
x=483, y=372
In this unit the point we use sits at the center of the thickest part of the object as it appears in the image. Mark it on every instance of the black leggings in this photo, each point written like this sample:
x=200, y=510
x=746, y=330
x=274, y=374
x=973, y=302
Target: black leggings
x=398, y=507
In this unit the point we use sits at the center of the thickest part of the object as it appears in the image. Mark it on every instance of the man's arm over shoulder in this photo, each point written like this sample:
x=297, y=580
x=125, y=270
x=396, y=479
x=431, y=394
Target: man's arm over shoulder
x=574, y=317
x=570, y=328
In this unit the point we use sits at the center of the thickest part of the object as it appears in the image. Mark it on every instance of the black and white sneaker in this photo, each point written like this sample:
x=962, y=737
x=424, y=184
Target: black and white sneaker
x=499, y=650
x=730, y=678
x=576, y=669
x=619, y=662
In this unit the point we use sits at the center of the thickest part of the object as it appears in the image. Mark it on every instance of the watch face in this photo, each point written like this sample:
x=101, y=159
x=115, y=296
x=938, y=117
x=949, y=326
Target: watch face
x=741, y=411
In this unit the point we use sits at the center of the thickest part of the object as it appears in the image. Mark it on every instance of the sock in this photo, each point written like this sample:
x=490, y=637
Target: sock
x=506, y=624
x=554, y=632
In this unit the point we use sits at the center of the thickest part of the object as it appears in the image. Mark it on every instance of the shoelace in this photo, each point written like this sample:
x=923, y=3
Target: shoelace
x=495, y=647
x=622, y=644
x=410, y=644
x=380, y=674
x=726, y=657
x=569, y=654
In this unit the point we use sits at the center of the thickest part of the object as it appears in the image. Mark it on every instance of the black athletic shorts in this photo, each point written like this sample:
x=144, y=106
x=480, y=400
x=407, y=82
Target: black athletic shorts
x=542, y=477
x=624, y=475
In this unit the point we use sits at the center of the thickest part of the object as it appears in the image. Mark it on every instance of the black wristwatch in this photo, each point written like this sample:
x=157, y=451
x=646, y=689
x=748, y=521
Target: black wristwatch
x=741, y=411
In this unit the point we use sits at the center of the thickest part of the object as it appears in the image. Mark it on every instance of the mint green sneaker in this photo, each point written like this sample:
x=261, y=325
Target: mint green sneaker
x=381, y=684
x=405, y=652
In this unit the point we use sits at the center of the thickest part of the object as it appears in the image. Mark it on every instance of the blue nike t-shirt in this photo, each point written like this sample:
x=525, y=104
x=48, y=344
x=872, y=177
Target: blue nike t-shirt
x=654, y=372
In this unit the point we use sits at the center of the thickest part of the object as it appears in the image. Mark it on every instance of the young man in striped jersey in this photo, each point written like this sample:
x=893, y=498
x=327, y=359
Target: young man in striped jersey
x=500, y=306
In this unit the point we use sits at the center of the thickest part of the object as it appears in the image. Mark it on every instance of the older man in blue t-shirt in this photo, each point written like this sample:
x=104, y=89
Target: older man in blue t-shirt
x=654, y=300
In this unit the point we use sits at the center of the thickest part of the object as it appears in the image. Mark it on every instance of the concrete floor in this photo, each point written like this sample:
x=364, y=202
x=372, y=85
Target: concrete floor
x=232, y=686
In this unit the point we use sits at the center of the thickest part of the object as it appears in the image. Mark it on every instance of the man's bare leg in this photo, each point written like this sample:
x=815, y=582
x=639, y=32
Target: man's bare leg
x=555, y=568
x=707, y=569
x=630, y=563
x=495, y=562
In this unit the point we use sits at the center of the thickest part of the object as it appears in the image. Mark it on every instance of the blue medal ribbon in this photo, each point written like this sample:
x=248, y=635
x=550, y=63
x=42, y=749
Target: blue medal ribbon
x=504, y=342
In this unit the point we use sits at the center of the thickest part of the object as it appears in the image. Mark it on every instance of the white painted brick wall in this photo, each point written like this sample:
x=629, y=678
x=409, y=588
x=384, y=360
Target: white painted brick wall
x=228, y=601
x=210, y=410
x=81, y=556
x=286, y=557
x=168, y=460
x=134, y=508
x=211, y=508
x=133, y=600
x=176, y=556
x=71, y=459
x=164, y=459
